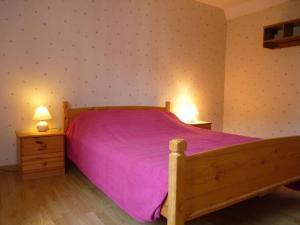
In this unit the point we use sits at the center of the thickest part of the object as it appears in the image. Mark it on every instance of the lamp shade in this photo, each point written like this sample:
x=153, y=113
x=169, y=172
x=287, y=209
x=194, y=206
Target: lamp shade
x=42, y=114
x=193, y=111
x=188, y=113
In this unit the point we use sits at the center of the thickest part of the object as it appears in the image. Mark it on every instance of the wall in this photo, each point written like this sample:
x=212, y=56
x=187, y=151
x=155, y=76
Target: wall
x=262, y=86
x=107, y=52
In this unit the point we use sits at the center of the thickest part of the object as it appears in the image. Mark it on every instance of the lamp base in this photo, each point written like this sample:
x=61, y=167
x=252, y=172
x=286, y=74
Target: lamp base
x=42, y=126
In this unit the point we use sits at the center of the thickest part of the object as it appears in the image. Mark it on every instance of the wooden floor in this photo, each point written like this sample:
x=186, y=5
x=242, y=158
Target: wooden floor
x=73, y=200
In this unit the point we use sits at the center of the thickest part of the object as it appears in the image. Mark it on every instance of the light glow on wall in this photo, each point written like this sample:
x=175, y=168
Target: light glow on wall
x=38, y=97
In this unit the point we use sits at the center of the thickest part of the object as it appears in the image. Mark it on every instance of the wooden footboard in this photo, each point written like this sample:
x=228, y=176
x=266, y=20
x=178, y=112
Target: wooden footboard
x=206, y=182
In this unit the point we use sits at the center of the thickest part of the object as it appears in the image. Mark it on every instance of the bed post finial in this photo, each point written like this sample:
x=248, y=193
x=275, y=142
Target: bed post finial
x=177, y=145
x=65, y=115
x=176, y=182
x=168, y=106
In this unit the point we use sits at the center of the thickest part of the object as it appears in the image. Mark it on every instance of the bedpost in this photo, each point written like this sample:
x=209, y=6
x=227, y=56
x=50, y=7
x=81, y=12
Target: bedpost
x=65, y=115
x=176, y=182
x=168, y=106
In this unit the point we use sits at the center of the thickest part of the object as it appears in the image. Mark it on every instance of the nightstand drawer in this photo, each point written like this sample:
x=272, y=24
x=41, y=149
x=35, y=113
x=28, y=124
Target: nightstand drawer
x=40, y=145
x=45, y=164
x=39, y=157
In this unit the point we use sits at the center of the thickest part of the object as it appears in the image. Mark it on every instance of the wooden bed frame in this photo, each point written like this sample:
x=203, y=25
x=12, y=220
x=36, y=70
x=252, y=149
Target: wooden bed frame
x=206, y=182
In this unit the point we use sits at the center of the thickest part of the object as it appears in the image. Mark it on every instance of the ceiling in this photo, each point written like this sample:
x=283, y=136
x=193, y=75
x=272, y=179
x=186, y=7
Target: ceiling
x=237, y=8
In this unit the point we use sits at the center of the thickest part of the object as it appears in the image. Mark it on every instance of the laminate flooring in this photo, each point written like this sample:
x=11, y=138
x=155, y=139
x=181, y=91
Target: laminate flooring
x=73, y=200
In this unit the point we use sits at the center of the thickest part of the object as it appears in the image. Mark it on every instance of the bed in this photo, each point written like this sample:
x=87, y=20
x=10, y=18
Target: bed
x=123, y=150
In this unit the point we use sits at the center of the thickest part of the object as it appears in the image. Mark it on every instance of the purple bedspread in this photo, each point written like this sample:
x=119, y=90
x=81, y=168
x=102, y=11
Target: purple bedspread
x=125, y=154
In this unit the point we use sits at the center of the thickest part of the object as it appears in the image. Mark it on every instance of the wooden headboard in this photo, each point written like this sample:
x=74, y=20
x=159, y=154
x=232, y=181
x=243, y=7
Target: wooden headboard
x=71, y=113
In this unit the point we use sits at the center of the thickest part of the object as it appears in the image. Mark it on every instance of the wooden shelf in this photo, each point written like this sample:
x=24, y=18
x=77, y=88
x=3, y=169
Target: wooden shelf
x=282, y=35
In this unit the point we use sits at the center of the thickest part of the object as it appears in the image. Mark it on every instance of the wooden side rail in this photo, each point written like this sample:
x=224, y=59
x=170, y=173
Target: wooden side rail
x=203, y=183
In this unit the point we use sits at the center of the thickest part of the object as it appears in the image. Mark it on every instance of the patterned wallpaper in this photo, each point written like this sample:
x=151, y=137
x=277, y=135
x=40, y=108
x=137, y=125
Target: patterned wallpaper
x=262, y=86
x=107, y=52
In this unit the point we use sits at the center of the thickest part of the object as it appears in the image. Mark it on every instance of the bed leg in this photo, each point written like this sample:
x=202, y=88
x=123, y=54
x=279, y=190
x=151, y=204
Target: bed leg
x=263, y=194
x=176, y=182
x=65, y=115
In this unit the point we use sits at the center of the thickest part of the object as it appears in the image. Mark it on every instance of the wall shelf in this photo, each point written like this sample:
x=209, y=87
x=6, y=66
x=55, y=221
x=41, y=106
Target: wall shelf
x=282, y=35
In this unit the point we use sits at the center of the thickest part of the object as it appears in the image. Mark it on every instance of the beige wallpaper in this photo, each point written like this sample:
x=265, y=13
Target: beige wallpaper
x=262, y=86
x=94, y=52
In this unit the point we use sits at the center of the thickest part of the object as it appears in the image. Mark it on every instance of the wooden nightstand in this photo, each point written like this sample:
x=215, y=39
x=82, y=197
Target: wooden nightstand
x=201, y=124
x=41, y=154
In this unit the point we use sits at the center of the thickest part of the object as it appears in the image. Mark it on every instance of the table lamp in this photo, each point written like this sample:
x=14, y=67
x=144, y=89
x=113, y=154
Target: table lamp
x=42, y=115
x=192, y=113
x=188, y=113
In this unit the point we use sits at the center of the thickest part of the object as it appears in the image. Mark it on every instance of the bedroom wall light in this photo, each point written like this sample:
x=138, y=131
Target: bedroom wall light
x=42, y=115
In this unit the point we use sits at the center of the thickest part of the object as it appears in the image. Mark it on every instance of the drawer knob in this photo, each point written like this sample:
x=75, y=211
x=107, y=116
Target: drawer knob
x=45, y=163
